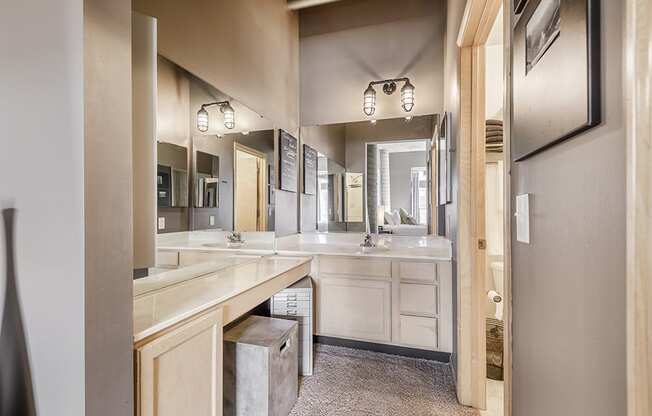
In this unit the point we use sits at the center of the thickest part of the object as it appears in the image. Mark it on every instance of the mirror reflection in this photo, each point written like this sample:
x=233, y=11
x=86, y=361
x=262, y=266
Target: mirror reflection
x=172, y=176
x=216, y=163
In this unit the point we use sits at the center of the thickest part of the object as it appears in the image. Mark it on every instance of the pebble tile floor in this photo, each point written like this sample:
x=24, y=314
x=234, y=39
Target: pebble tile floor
x=349, y=382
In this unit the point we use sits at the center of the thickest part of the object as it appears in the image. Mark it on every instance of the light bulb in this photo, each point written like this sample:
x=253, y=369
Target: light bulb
x=369, y=101
x=202, y=120
x=407, y=96
x=229, y=116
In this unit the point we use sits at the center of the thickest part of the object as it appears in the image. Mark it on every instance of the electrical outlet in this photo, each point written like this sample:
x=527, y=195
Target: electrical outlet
x=161, y=223
x=211, y=220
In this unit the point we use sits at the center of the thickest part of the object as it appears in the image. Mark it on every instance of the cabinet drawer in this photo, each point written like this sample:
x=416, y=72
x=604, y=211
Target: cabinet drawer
x=356, y=267
x=167, y=259
x=417, y=299
x=418, y=331
x=418, y=272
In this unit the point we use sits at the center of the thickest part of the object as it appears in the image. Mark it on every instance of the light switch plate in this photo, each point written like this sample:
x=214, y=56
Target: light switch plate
x=211, y=220
x=161, y=223
x=523, y=218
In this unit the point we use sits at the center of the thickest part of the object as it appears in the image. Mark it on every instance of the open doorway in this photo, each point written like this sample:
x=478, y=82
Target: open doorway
x=483, y=254
x=250, y=189
x=494, y=196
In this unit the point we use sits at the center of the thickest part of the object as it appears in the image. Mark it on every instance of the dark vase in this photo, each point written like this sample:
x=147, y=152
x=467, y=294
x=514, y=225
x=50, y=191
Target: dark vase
x=16, y=391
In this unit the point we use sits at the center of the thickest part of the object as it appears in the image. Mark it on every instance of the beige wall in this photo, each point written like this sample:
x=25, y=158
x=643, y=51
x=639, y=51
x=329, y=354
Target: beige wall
x=108, y=208
x=345, y=45
x=361, y=133
x=42, y=176
x=249, y=49
x=144, y=99
x=569, y=283
x=327, y=140
x=173, y=104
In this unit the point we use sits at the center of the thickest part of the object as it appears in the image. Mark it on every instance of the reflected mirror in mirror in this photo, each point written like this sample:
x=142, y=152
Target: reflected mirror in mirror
x=172, y=175
x=207, y=170
x=330, y=206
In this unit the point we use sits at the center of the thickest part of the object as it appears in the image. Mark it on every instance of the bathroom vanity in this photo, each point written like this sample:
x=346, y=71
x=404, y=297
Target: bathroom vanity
x=178, y=329
x=399, y=294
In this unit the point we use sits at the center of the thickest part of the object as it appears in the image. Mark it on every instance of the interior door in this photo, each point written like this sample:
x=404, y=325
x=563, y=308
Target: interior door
x=247, y=203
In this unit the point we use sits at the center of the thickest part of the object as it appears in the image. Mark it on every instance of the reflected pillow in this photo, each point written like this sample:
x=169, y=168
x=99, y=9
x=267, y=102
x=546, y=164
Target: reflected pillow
x=404, y=215
x=411, y=220
x=396, y=218
x=389, y=218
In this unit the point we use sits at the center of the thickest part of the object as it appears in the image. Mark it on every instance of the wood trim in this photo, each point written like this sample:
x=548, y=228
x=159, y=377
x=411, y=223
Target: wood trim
x=507, y=210
x=479, y=16
x=639, y=207
x=476, y=26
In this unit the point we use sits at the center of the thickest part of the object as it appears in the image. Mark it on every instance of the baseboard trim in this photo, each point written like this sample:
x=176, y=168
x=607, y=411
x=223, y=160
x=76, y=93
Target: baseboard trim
x=443, y=357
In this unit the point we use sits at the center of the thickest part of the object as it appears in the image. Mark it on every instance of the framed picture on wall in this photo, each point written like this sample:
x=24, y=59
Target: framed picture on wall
x=288, y=166
x=556, y=74
x=444, y=160
x=309, y=170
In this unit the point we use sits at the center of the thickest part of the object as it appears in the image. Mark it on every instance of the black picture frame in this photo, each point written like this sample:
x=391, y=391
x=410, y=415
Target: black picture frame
x=444, y=160
x=519, y=5
x=309, y=170
x=288, y=166
x=556, y=72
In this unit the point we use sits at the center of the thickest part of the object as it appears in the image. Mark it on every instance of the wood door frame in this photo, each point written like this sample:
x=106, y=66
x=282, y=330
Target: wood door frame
x=479, y=17
x=262, y=185
x=638, y=105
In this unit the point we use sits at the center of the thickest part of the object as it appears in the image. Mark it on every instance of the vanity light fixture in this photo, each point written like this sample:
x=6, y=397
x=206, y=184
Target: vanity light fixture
x=225, y=108
x=389, y=87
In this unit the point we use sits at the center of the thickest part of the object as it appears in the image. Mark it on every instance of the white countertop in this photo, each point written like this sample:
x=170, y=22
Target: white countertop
x=160, y=309
x=169, y=277
x=331, y=244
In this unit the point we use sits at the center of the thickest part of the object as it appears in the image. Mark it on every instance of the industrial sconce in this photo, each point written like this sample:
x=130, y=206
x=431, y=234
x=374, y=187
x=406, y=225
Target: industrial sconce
x=389, y=87
x=225, y=108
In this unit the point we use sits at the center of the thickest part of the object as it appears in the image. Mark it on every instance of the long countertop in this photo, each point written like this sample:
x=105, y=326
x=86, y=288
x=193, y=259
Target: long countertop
x=310, y=244
x=188, y=295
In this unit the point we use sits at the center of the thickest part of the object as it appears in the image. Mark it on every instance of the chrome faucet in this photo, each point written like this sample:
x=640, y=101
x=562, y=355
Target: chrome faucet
x=234, y=237
x=368, y=241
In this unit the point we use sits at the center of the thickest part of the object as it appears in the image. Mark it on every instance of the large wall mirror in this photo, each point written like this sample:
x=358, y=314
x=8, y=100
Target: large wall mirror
x=216, y=158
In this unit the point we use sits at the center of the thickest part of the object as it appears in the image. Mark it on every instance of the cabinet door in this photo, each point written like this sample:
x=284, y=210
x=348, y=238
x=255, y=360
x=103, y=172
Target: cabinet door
x=180, y=373
x=354, y=308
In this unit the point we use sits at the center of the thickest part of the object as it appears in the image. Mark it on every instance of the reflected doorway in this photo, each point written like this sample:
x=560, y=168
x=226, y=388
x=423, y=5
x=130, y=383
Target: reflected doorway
x=250, y=189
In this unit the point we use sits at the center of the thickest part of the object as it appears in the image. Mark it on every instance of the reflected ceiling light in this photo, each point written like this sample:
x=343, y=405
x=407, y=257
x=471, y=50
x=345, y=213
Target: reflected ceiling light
x=225, y=108
x=245, y=132
x=407, y=96
x=370, y=101
x=374, y=121
x=229, y=116
x=408, y=118
x=202, y=120
x=389, y=87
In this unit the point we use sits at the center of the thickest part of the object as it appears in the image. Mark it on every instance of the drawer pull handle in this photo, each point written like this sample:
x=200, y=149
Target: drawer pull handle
x=285, y=346
x=291, y=312
x=292, y=304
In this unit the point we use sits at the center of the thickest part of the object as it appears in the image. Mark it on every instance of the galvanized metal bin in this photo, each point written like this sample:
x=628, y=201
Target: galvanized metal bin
x=261, y=367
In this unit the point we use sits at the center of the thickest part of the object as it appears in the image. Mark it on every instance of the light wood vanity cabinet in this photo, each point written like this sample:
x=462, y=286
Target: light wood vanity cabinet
x=352, y=307
x=180, y=372
x=393, y=301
